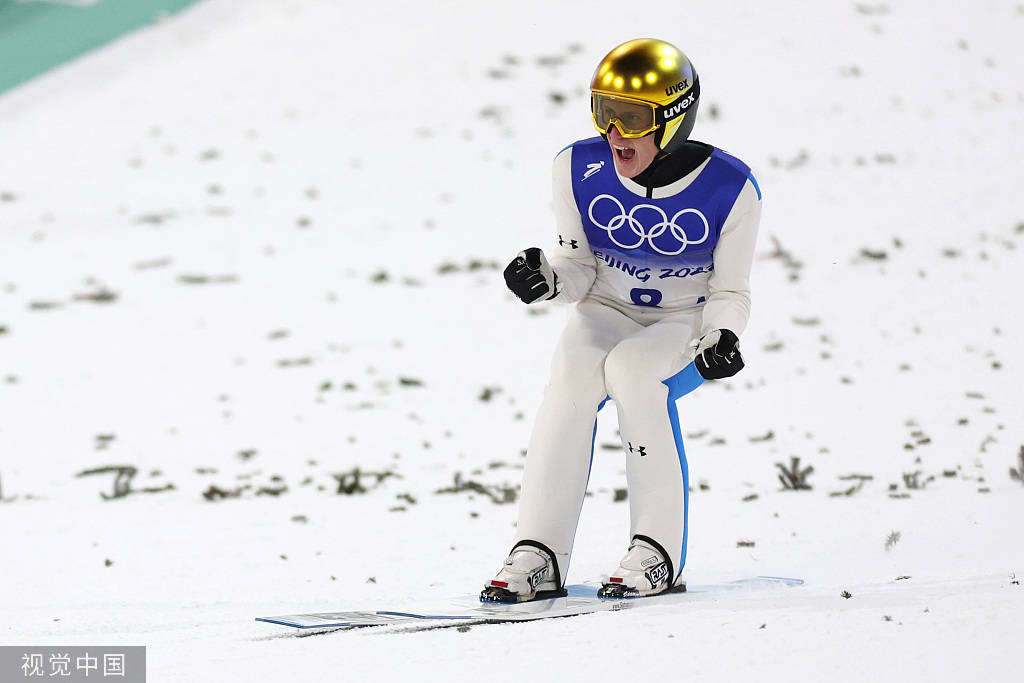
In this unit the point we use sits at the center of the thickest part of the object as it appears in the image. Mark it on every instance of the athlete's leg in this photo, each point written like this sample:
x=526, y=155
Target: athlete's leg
x=643, y=378
x=561, y=446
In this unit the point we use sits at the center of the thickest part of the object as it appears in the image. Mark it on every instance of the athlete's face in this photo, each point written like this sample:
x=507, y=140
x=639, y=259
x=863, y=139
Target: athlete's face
x=632, y=155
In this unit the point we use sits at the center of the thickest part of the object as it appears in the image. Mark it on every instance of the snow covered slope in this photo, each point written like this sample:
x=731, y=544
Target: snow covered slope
x=250, y=262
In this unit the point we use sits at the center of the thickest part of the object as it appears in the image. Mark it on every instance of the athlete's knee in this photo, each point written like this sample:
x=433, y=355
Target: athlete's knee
x=627, y=369
x=578, y=377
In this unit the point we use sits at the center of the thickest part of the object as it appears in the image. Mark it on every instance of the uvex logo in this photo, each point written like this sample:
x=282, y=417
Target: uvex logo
x=678, y=87
x=679, y=107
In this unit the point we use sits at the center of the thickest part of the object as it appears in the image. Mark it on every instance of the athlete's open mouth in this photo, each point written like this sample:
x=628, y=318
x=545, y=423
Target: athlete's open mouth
x=624, y=153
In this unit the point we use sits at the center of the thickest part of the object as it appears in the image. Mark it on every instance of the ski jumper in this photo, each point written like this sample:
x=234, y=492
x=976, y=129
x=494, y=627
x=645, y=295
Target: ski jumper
x=650, y=271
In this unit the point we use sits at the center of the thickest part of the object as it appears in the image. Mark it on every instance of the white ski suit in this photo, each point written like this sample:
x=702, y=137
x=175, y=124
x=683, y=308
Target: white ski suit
x=650, y=272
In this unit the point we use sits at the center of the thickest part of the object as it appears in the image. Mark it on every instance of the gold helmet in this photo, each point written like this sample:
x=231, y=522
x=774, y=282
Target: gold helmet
x=643, y=86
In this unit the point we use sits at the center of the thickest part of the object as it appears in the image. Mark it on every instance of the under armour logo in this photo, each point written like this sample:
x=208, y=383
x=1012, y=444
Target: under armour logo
x=592, y=169
x=572, y=243
x=642, y=450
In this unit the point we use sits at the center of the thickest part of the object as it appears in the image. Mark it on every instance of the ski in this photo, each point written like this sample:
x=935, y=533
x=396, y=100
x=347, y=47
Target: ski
x=333, y=619
x=581, y=599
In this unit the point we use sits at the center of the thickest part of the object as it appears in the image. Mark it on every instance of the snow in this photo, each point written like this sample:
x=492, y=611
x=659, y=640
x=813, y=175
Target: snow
x=255, y=247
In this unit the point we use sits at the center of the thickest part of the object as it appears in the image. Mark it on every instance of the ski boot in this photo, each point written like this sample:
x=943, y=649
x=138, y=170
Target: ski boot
x=643, y=571
x=530, y=573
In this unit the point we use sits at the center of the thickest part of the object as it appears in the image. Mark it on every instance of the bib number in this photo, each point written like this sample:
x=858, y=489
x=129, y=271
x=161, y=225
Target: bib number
x=645, y=297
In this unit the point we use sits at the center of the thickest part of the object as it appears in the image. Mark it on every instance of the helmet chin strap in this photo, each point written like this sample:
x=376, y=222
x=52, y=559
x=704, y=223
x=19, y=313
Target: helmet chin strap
x=656, y=161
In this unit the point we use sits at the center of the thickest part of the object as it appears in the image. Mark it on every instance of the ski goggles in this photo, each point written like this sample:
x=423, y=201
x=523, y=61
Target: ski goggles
x=633, y=118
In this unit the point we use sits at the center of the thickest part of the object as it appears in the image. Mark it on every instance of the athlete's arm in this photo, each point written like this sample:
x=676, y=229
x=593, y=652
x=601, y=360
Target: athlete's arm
x=728, y=304
x=571, y=258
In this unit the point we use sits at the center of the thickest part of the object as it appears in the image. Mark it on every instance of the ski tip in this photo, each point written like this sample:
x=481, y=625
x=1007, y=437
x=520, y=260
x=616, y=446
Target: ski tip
x=283, y=621
x=785, y=580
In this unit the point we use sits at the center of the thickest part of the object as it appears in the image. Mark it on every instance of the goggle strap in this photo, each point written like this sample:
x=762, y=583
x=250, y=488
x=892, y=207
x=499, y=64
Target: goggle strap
x=681, y=104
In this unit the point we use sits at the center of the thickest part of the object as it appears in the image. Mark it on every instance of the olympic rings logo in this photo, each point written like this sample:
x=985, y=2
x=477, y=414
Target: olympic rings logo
x=638, y=233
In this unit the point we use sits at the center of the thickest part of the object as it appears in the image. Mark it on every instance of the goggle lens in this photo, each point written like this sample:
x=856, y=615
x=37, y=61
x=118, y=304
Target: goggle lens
x=633, y=119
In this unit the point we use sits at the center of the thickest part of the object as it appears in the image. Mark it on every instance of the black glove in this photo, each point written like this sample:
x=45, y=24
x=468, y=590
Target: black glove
x=530, y=277
x=718, y=355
